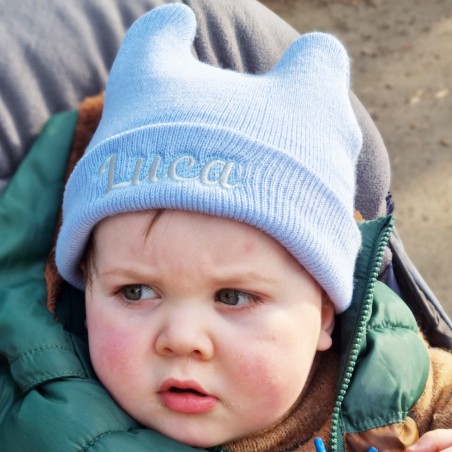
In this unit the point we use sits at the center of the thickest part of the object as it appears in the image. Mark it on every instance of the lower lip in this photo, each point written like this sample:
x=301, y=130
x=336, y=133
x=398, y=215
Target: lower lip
x=187, y=403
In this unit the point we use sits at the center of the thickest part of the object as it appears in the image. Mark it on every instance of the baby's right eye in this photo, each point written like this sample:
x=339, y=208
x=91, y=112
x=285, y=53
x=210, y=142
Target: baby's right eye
x=137, y=292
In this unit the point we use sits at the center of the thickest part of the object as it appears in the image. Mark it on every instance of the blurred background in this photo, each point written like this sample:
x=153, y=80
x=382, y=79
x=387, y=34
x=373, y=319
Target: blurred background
x=401, y=55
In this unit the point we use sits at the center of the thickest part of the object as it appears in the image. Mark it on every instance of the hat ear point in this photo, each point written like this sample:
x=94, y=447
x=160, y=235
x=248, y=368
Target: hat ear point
x=314, y=53
x=168, y=27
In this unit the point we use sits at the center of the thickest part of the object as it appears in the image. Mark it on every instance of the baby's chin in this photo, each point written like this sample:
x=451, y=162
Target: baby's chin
x=203, y=437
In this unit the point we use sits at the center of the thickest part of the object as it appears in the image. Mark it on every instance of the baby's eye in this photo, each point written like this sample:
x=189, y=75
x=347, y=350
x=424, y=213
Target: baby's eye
x=234, y=297
x=137, y=292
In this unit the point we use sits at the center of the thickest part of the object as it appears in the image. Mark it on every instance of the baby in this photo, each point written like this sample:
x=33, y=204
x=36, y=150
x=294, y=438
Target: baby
x=211, y=225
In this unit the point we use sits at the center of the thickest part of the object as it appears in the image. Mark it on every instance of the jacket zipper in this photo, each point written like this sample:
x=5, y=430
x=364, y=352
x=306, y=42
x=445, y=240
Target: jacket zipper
x=336, y=441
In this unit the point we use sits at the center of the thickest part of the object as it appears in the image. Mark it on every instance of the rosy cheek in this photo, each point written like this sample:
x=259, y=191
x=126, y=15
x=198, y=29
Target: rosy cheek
x=265, y=377
x=111, y=350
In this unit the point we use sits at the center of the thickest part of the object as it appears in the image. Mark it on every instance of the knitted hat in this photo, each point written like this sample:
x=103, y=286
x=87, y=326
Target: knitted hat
x=275, y=150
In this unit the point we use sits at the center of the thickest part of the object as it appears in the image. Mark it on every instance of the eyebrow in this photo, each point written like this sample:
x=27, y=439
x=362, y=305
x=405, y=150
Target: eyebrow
x=220, y=279
x=245, y=277
x=118, y=271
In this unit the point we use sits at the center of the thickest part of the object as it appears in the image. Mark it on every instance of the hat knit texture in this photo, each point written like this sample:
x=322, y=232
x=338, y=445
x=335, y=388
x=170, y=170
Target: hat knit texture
x=275, y=150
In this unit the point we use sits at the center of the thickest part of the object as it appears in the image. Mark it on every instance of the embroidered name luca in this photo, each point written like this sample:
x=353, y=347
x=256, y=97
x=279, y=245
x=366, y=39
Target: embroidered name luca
x=214, y=172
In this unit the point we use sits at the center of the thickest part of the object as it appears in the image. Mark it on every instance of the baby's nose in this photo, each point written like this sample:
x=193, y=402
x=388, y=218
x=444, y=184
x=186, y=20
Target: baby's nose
x=185, y=333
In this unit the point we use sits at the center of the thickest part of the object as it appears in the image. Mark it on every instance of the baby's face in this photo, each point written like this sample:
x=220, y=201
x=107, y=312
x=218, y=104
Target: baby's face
x=204, y=329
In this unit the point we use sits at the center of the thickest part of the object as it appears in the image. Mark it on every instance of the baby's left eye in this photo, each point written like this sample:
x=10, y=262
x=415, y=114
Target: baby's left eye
x=137, y=292
x=233, y=297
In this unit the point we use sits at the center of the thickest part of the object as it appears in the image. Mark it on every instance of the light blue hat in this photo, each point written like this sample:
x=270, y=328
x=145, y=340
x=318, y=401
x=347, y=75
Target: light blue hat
x=274, y=150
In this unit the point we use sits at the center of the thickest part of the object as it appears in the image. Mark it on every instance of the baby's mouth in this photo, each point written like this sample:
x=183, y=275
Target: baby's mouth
x=177, y=390
x=186, y=397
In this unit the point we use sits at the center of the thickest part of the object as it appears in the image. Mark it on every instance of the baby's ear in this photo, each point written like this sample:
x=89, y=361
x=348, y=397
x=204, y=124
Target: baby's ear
x=327, y=325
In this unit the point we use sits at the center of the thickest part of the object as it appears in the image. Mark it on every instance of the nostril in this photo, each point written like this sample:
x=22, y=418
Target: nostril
x=176, y=341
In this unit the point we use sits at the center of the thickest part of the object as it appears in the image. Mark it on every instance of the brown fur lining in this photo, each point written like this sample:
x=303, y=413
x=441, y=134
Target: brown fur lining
x=90, y=112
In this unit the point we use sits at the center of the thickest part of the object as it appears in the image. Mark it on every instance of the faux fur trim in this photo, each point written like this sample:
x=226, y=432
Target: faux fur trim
x=90, y=112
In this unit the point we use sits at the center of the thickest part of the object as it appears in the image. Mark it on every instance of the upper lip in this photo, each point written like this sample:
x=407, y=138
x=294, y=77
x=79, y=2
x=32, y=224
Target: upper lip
x=171, y=383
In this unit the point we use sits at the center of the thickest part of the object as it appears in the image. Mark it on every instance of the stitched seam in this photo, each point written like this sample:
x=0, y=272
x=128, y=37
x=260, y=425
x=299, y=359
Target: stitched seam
x=379, y=328
x=363, y=426
x=48, y=376
x=98, y=438
x=39, y=349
